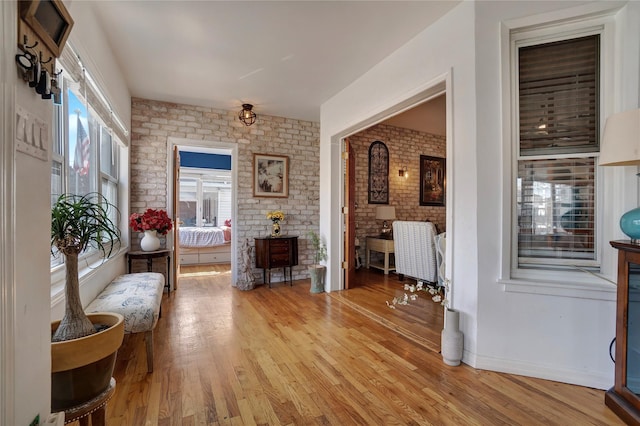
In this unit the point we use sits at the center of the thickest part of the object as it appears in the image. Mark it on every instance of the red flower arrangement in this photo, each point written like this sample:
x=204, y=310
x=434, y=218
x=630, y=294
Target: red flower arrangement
x=151, y=220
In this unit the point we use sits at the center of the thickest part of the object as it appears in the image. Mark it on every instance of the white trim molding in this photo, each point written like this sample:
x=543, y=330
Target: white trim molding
x=8, y=14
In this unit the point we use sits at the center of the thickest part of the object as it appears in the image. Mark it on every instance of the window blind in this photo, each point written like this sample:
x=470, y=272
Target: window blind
x=556, y=209
x=559, y=96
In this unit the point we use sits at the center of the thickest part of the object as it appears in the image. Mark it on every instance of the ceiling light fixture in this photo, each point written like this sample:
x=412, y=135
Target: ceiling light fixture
x=247, y=116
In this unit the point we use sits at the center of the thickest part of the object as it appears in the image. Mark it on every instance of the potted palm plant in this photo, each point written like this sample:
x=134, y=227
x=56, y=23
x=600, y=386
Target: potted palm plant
x=83, y=346
x=317, y=271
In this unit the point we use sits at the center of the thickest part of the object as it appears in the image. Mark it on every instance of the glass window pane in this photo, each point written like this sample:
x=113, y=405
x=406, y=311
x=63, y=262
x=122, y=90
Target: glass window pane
x=108, y=154
x=81, y=161
x=110, y=191
x=209, y=204
x=188, y=206
x=556, y=209
x=559, y=96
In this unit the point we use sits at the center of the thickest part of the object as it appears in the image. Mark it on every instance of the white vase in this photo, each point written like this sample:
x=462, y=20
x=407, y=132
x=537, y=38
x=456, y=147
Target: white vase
x=452, y=339
x=150, y=241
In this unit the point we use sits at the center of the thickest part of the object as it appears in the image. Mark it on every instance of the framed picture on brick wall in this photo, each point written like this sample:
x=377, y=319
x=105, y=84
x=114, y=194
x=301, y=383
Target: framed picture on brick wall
x=270, y=175
x=432, y=180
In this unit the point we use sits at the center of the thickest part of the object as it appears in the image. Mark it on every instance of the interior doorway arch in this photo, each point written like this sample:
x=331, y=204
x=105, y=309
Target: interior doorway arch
x=437, y=88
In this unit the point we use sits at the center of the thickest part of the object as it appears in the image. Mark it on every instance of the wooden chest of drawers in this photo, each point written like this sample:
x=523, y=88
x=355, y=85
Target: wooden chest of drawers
x=277, y=252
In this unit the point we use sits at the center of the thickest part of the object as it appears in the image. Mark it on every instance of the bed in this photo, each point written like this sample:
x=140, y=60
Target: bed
x=201, y=245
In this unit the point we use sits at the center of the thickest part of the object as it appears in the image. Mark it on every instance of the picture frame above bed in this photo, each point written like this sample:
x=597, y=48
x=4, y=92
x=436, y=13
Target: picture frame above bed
x=270, y=175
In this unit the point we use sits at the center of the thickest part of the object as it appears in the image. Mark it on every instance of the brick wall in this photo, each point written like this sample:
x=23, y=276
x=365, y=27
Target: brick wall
x=405, y=147
x=153, y=122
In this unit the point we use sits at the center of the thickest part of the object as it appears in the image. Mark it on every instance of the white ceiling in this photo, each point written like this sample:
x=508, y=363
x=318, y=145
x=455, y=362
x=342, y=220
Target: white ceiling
x=284, y=57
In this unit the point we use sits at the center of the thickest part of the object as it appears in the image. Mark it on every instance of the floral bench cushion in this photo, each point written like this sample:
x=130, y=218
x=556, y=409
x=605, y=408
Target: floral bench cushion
x=137, y=297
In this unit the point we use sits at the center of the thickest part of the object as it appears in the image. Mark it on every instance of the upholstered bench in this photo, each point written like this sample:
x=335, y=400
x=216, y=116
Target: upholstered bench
x=137, y=297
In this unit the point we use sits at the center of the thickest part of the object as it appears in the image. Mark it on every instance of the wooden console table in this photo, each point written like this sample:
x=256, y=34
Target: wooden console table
x=276, y=252
x=380, y=245
x=149, y=256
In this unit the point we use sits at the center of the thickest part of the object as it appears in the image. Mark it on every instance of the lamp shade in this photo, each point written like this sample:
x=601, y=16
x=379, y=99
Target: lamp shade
x=621, y=141
x=385, y=212
x=621, y=147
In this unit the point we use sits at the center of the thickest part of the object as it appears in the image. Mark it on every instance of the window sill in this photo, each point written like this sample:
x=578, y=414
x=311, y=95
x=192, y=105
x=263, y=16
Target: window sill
x=586, y=289
x=86, y=269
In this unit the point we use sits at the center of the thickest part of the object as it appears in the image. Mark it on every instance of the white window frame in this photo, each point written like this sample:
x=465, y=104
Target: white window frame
x=92, y=259
x=537, y=30
x=200, y=176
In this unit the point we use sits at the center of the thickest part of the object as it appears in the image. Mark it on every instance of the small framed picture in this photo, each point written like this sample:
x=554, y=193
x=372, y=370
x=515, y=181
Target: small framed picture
x=270, y=175
x=432, y=180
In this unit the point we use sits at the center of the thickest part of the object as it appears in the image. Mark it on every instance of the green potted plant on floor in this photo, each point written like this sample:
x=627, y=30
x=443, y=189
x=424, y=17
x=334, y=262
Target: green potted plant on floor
x=83, y=346
x=317, y=272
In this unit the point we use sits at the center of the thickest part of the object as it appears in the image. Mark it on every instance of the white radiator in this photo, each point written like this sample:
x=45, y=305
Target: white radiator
x=415, y=251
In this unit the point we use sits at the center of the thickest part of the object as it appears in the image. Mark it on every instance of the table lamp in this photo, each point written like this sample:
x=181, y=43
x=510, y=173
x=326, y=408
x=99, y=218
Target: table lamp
x=386, y=213
x=620, y=146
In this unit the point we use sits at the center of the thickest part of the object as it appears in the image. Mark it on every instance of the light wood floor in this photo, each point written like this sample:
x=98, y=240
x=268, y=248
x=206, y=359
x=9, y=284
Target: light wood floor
x=283, y=356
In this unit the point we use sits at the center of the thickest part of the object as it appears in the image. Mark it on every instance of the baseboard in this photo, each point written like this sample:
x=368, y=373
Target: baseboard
x=563, y=375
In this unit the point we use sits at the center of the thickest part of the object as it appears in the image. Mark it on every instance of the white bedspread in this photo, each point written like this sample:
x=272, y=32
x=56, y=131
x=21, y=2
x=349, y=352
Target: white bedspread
x=201, y=237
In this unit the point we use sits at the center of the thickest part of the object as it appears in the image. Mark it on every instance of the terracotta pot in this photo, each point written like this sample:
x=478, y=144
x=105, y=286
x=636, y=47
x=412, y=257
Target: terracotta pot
x=81, y=369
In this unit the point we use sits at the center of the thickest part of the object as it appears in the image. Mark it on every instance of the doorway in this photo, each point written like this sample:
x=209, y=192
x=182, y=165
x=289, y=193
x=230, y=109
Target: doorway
x=210, y=191
x=372, y=300
x=408, y=136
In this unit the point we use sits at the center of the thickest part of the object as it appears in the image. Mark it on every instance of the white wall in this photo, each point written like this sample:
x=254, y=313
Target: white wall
x=443, y=52
x=559, y=337
x=25, y=279
x=544, y=331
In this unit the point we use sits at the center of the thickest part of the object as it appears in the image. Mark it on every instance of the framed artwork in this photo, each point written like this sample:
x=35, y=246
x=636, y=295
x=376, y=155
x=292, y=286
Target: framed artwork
x=432, y=180
x=270, y=175
x=378, y=186
x=50, y=22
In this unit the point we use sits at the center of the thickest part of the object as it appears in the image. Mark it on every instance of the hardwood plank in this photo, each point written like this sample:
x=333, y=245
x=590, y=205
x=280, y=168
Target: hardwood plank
x=284, y=356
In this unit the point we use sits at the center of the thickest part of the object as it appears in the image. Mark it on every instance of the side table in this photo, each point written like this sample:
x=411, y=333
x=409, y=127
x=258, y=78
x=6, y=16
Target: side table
x=276, y=252
x=381, y=245
x=95, y=408
x=149, y=256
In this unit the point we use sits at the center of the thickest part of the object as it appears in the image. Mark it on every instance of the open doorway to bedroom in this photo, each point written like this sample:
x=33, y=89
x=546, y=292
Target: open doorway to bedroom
x=204, y=208
x=204, y=188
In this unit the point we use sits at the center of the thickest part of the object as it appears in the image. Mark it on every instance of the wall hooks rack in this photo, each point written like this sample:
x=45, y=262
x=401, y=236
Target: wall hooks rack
x=39, y=74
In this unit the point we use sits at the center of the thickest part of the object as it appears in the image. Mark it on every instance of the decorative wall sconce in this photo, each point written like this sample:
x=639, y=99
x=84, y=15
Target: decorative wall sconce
x=403, y=172
x=247, y=116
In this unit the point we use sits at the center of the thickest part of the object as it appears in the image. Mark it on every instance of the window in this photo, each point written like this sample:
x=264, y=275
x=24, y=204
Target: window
x=557, y=143
x=85, y=153
x=205, y=198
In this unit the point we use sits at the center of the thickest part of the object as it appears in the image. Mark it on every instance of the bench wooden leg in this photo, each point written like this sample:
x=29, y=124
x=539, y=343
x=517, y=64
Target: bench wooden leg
x=148, y=337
